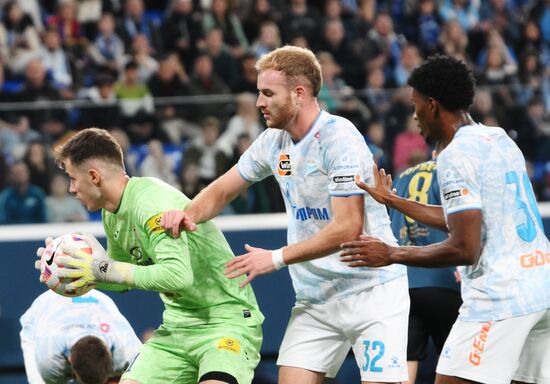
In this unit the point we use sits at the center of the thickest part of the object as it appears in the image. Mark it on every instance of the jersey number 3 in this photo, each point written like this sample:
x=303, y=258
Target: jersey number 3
x=526, y=230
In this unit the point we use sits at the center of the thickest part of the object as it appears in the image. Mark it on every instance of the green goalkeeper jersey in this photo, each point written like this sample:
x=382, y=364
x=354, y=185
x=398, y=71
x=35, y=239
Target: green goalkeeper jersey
x=187, y=271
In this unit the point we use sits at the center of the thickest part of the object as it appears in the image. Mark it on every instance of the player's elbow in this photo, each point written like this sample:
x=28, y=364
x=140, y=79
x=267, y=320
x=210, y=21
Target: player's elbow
x=465, y=254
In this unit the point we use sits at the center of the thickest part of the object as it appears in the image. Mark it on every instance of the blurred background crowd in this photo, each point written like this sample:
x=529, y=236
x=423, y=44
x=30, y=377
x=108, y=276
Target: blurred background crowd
x=174, y=81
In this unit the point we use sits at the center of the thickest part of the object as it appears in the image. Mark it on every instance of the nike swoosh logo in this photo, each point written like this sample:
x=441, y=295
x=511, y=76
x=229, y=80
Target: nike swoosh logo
x=50, y=260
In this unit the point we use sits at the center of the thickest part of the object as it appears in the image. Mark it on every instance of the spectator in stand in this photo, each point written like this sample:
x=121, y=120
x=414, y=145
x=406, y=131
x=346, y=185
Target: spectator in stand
x=222, y=16
x=19, y=40
x=375, y=141
x=206, y=153
x=425, y=27
x=334, y=10
x=40, y=165
x=188, y=180
x=171, y=80
x=205, y=82
x=268, y=39
x=245, y=121
x=56, y=62
x=333, y=86
x=157, y=163
x=260, y=12
x=496, y=41
x=410, y=148
x=255, y=198
x=375, y=94
x=530, y=75
x=380, y=48
x=102, y=110
x=122, y=139
x=133, y=94
x=48, y=120
x=248, y=75
x=68, y=26
x=410, y=59
x=466, y=12
x=300, y=18
x=334, y=41
x=453, y=39
x=225, y=64
x=107, y=50
x=182, y=31
x=61, y=206
x=22, y=202
x=134, y=22
x=502, y=15
x=141, y=55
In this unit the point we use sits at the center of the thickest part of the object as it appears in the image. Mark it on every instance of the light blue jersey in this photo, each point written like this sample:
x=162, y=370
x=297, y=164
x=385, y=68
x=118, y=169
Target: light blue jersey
x=310, y=172
x=53, y=324
x=482, y=168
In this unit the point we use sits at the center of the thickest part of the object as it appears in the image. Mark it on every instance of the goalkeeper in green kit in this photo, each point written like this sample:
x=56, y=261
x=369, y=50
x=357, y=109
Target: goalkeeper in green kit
x=211, y=330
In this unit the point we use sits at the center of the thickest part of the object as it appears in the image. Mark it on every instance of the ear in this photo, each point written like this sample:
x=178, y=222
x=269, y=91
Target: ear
x=300, y=91
x=95, y=177
x=434, y=106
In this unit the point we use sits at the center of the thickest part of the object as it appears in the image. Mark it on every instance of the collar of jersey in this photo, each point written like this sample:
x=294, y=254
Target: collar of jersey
x=310, y=128
x=120, y=203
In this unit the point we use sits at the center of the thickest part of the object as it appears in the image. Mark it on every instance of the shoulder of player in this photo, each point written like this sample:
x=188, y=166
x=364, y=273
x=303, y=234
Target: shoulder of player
x=331, y=127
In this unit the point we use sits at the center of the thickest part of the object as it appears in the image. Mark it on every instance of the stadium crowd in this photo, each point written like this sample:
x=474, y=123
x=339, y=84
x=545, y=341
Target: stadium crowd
x=175, y=82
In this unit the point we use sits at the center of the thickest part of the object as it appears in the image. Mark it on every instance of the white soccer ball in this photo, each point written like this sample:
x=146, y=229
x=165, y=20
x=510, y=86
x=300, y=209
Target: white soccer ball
x=49, y=267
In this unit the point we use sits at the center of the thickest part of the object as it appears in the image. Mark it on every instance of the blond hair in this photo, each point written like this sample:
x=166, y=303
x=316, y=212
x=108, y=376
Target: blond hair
x=297, y=64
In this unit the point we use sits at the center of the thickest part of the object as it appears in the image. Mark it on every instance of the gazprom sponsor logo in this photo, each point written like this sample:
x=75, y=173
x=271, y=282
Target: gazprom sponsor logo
x=307, y=213
x=342, y=179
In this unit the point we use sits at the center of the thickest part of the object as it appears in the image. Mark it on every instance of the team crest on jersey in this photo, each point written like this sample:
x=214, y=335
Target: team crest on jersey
x=229, y=345
x=153, y=224
x=283, y=167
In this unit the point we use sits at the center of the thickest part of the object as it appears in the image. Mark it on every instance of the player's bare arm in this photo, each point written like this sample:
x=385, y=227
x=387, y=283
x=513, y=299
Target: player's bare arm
x=207, y=204
x=346, y=224
x=383, y=192
x=463, y=247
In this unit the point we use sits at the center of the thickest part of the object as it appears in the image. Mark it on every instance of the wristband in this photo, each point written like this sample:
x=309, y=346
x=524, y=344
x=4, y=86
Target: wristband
x=277, y=259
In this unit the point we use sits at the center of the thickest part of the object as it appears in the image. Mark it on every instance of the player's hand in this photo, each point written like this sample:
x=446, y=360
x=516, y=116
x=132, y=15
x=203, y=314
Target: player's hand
x=39, y=253
x=175, y=220
x=257, y=261
x=382, y=190
x=97, y=267
x=368, y=251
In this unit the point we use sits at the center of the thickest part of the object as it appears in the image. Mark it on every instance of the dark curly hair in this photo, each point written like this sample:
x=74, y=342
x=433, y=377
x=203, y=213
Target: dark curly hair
x=447, y=80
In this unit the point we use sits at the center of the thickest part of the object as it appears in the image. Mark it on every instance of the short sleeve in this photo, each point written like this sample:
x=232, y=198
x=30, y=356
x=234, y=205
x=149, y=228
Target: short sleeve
x=254, y=163
x=458, y=177
x=346, y=156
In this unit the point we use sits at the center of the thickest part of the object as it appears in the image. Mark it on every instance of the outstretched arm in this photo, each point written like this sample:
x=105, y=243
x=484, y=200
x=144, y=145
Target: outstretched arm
x=207, y=204
x=345, y=225
x=382, y=192
x=463, y=247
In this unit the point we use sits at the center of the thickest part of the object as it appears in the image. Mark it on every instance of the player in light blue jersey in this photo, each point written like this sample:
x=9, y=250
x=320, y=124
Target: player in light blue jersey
x=434, y=292
x=495, y=234
x=314, y=156
x=84, y=338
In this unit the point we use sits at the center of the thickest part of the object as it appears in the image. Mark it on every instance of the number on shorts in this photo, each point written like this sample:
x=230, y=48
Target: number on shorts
x=527, y=230
x=370, y=365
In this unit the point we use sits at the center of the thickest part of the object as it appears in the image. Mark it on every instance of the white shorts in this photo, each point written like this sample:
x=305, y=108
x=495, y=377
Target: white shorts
x=496, y=352
x=374, y=323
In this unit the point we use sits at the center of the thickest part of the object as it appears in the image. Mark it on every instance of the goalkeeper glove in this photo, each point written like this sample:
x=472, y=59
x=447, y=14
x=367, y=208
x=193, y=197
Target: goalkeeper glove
x=98, y=267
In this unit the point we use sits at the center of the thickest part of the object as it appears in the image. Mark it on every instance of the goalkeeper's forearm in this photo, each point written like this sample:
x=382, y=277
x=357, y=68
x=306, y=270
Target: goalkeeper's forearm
x=114, y=272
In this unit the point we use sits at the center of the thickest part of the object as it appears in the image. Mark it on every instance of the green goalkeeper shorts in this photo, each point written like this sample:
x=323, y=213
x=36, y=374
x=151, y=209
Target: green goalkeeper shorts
x=184, y=355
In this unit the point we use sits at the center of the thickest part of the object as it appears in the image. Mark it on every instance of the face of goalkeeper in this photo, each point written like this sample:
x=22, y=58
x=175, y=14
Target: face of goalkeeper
x=97, y=183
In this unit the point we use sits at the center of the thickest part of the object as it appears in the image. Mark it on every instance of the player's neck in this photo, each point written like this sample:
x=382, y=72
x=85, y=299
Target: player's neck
x=455, y=122
x=113, y=196
x=304, y=121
